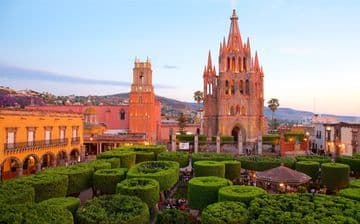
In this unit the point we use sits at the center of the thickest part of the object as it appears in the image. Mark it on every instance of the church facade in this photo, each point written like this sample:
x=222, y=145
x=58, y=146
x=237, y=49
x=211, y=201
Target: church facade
x=234, y=98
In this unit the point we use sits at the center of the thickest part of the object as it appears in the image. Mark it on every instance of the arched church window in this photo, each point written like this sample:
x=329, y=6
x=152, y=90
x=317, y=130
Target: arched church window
x=239, y=64
x=243, y=112
x=241, y=86
x=232, y=87
x=244, y=64
x=122, y=114
x=232, y=111
x=237, y=109
x=142, y=79
x=233, y=64
x=227, y=87
x=228, y=64
x=247, y=87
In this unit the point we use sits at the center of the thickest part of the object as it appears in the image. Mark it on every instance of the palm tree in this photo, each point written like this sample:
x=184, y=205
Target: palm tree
x=273, y=104
x=198, y=97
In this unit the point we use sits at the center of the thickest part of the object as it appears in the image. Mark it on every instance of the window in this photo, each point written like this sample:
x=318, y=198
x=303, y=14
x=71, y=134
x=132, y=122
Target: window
x=241, y=86
x=142, y=79
x=239, y=65
x=62, y=133
x=228, y=64
x=10, y=138
x=75, y=132
x=244, y=64
x=247, y=87
x=122, y=115
x=30, y=136
x=232, y=86
x=237, y=109
x=233, y=64
x=47, y=135
x=232, y=111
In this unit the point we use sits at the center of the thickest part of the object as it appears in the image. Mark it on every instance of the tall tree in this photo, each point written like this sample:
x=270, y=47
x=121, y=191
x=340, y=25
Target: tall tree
x=198, y=97
x=182, y=123
x=273, y=104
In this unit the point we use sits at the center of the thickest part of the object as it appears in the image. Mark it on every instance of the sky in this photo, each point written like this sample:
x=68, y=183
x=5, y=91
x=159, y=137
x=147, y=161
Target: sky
x=309, y=49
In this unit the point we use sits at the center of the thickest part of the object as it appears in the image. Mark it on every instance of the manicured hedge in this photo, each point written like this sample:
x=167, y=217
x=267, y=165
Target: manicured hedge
x=355, y=183
x=232, y=169
x=127, y=158
x=310, y=168
x=261, y=163
x=144, y=156
x=99, y=164
x=225, y=212
x=34, y=214
x=46, y=185
x=224, y=139
x=303, y=208
x=156, y=149
x=165, y=172
x=16, y=193
x=80, y=177
x=146, y=189
x=294, y=137
x=69, y=203
x=244, y=194
x=212, y=156
x=203, y=191
x=172, y=216
x=352, y=193
x=181, y=157
x=105, y=180
x=114, y=209
x=352, y=161
x=209, y=168
x=115, y=162
x=271, y=139
x=315, y=158
x=335, y=175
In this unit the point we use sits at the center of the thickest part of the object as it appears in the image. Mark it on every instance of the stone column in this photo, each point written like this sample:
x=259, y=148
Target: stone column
x=196, y=143
x=259, y=144
x=217, y=144
x=100, y=147
x=19, y=171
x=240, y=144
x=173, y=142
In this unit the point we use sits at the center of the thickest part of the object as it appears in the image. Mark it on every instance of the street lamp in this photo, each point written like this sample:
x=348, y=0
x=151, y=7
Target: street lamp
x=327, y=138
x=307, y=139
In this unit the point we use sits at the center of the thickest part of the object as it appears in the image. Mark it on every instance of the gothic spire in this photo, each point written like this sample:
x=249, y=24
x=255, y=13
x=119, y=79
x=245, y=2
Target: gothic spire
x=234, y=39
x=209, y=64
x=256, y=63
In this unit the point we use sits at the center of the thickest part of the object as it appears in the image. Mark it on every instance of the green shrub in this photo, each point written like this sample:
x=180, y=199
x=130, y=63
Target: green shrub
x=271, y=139
x=146, y=189
x=80, y=177
x=244, y=194
x=69, y=203
x=203, y=191
x=226, y=139
x=335, y=175
x=303, y=208
x=211, y=156
x=46, y=185
x=314, y=158
x=261, y=163
x=105, y=180
x=209, y=168
x=310, y=168
x=352, y=193
x=16, y=193
x=127, y=158
x=144, y=156
x=156, y=149
x=355, y=183
x=352, y=161
x=172, y=216
x=121, y=209
x=115, y=162
x=225, y=212
x=294, y=137
x=99, y=164
x=165, y=172
x=181, y=157
x=232, y=169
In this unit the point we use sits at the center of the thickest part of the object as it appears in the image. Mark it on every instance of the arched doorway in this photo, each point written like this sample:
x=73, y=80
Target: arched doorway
x=61, y=158
x=74, y=156
x=30, y=164
x=47, y=160
x=235, y=133
x=11, y=167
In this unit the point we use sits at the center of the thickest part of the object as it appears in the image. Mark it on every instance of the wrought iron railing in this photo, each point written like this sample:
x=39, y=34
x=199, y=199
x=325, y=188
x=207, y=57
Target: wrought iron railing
x=20, y=146
x=75, y=140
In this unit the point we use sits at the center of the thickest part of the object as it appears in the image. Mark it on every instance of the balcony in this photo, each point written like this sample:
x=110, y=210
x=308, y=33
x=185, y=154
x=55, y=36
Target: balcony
x=21, y=146
x=75, y=140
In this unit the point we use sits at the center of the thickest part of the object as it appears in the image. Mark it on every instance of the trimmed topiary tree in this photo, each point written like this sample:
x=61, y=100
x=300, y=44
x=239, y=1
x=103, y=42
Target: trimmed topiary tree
x=115, y=162
x=244, y=194
x=232, y=169
x=181, y=157
x=335, y=176
x=355, y=183
x=99, y=164
x=46, y=185
x=127, y=157
x=352, y=161
x=142, y=156
x=211, y=156
x=105, y=180
x=261, y=163
x=225, y=212
x=209, y=168
x=146, y=189
x=80, y=177
x=165, y=172
x=69, y=203
x=310, y=168
x=352, y=193
x=156, y=149
x=172, y=216
x=16, y=193
x=315, y=158
x=203, y=191
x=115, y=208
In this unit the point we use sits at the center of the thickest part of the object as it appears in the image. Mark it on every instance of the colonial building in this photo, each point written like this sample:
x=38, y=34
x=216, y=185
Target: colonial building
x=234, y=98
x=34, y=139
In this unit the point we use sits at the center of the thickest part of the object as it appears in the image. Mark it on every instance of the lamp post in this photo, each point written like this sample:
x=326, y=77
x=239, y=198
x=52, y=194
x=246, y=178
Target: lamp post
x=327, y=139
x=307, y=135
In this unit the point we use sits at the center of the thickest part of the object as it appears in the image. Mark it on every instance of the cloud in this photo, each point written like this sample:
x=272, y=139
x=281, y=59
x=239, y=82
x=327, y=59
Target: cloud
x=170, y=67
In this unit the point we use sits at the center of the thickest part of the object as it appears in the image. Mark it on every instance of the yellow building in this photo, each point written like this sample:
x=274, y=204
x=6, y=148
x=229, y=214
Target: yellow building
x=32, y=139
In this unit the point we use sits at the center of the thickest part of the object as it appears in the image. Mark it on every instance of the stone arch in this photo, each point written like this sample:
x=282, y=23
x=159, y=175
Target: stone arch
x=10, y=167
x=235, y=131
x=30, y=164
x=48, y=160
x=74, y=155
x=61, y=157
